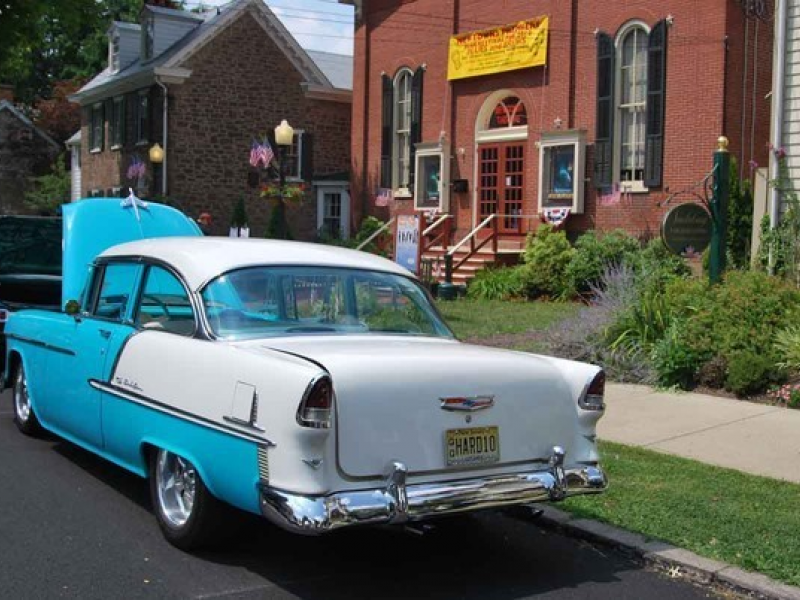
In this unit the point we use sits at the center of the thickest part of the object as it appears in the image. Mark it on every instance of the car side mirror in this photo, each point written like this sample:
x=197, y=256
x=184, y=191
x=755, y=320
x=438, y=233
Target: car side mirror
x=72, y=308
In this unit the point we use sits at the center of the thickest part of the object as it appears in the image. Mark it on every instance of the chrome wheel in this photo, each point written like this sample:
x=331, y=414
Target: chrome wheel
x=22, y=402
x=176, y=486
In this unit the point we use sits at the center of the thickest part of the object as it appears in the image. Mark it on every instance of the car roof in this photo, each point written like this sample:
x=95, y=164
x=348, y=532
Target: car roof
x=200, y=259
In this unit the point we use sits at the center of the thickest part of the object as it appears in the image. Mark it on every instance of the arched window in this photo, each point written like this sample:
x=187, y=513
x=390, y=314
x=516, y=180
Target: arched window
x=631, y=102
x=509, y=112
x=402, y=129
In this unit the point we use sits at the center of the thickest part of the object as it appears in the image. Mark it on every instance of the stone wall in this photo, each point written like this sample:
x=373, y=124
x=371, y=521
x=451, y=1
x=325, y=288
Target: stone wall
x=23, y=152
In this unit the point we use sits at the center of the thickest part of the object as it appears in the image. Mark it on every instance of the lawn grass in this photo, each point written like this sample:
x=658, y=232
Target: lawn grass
x=476, y=319
x=752, y=522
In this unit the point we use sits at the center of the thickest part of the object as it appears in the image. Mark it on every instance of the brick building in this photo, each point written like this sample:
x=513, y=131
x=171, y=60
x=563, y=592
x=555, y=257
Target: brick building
x=25, y=151
x=619, y=106
x=229, y=76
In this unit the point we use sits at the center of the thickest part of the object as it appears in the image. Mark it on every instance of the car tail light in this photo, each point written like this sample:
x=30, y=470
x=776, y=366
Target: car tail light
x=4, y=314
x=592, y=398
x=315, y=408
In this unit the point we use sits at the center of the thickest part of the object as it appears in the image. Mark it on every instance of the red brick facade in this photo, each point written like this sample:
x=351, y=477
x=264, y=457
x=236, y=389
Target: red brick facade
x=708, y=92
x=241, y=86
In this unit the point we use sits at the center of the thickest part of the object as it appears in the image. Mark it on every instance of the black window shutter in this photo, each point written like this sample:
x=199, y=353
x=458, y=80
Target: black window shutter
x=386, y=131
x=604, y=133
x=656, y=88
x=307, y=158
x=102, y=140
x=415, y=133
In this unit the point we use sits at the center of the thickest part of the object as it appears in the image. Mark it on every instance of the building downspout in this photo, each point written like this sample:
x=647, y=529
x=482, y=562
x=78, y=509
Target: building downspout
x=778, y=88
x=164, y=137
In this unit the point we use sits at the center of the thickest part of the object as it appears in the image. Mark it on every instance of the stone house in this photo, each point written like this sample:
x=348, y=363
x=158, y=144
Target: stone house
x=204, y=87
x=25, y=150
x=496, y=120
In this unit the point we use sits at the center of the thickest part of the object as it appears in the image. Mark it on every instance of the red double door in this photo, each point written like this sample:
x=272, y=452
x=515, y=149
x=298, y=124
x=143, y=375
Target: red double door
x=501, y=184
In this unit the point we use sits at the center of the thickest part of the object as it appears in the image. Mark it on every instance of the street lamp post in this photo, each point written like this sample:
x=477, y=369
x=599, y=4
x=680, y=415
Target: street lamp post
x=284, y=136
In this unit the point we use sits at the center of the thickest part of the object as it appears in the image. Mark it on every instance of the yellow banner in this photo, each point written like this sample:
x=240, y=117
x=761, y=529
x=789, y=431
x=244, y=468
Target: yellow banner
x=506, y=48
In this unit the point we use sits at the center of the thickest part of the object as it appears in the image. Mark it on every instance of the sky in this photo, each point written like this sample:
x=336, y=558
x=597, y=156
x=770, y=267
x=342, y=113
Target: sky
x=317, y=24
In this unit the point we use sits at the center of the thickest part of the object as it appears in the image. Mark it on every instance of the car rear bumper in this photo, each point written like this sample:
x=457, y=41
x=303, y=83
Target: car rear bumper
x=396, y=502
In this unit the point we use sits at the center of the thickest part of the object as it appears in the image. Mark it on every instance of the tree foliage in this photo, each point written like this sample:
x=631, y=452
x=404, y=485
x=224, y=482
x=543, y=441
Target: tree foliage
x=47, y=192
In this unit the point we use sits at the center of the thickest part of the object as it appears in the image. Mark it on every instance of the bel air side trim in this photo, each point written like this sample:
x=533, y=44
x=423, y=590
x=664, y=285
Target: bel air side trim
x=396, y=502
x=171, y=410
x=33, y=342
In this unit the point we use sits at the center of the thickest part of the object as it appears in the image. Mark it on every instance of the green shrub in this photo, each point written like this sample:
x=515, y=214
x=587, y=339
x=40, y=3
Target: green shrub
x=713, y=373
x=743, y=314
x=496, y=284
x=749, y=373
x=656, y=265
x=547, y=255
x=594, y=252
x=674, y=360
x=787, y=348
x=643, y=324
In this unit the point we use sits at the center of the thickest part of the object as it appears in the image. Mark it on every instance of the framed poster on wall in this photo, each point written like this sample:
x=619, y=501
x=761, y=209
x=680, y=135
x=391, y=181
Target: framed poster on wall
x=407, y=242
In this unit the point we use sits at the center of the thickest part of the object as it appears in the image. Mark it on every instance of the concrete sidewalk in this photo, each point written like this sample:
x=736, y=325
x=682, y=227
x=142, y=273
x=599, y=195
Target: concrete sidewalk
x=758, y=439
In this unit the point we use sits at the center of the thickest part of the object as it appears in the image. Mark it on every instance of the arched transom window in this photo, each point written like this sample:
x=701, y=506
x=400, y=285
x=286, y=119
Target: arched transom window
x=509, y=112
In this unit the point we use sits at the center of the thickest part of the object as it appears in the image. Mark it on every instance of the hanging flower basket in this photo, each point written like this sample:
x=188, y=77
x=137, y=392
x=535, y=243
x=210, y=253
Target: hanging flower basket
x=291, y=193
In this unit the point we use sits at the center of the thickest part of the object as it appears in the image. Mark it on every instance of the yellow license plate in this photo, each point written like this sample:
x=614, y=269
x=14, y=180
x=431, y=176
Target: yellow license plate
x=473, y=446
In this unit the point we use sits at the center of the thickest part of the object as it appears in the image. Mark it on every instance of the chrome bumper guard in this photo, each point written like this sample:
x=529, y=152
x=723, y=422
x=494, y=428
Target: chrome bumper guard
x=397, y=502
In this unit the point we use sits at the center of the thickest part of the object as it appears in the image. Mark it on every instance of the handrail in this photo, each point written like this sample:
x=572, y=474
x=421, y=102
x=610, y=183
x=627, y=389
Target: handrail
x=471, y=234
x=383, y=228
x=436, y=223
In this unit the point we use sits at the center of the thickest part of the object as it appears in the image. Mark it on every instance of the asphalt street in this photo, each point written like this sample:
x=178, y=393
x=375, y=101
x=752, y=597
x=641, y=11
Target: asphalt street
x=75, y=526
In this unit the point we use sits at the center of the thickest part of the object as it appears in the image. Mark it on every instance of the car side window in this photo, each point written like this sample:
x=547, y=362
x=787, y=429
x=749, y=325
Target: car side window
x=117, y=286
x=165, y=304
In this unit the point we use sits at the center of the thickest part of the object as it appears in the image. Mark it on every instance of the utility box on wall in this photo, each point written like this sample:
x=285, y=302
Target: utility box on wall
x=432, y=182
x=562, y=167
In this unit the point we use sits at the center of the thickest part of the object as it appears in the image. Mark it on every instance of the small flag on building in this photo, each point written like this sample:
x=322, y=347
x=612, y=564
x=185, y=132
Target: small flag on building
x=610, y=196
x=555, y=216
x=383, y=196
x=261, y=153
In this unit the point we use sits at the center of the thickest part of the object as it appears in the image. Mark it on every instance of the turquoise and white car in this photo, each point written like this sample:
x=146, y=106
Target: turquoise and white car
x=316, y=386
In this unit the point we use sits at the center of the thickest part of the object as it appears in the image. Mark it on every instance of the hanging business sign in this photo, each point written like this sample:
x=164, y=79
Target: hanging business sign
x=497, y=50
x=686, y=230
x=407, y=242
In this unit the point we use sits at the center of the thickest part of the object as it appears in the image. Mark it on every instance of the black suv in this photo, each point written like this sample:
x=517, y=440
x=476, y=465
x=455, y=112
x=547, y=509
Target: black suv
x=30, y=267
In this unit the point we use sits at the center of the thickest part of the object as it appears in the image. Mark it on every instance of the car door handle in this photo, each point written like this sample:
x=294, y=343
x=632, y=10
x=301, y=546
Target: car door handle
x=105, y=333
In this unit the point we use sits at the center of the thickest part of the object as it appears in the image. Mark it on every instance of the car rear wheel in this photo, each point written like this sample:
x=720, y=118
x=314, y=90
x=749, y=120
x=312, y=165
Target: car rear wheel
x=189, y=516
x=24, y=417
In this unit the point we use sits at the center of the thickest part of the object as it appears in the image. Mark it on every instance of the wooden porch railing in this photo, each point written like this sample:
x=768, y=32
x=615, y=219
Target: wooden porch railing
x=444, y=224
x=383, y=228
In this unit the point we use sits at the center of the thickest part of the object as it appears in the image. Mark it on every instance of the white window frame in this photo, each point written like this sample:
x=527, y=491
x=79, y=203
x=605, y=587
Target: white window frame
x=296, y=174
x=141, y=135
x=635, y=186
x=344, y=216
x=401, y=138
x=96, y=139
x=117, y=104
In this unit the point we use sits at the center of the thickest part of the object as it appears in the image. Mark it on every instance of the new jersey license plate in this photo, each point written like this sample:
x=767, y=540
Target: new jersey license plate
x=473, y=446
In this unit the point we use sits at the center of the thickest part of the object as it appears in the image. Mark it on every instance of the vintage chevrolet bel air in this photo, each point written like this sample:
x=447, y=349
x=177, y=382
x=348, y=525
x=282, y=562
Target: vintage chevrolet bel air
x=314, y=385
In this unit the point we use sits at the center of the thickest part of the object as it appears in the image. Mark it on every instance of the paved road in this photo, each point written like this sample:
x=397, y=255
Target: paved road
x=74, y=526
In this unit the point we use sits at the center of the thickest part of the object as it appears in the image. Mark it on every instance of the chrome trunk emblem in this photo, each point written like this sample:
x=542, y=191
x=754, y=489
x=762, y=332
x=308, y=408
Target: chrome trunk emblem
x=470, y=404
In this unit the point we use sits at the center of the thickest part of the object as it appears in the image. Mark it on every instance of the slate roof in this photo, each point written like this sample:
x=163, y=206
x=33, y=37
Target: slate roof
x=6, y=105
x=337, y=68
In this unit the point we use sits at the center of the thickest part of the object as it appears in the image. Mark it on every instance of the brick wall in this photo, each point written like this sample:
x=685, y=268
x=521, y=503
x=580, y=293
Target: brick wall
x=242, y=87
x=703, y=97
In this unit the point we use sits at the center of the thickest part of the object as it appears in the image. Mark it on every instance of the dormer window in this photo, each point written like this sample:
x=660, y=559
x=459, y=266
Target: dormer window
x=148, y=36
x=113, y=59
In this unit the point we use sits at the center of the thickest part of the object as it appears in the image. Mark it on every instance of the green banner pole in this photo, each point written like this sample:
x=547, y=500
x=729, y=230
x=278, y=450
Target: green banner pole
x=719, y=211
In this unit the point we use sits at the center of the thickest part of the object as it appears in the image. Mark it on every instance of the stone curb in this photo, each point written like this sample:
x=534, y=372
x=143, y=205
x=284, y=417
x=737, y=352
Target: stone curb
x=682, y=563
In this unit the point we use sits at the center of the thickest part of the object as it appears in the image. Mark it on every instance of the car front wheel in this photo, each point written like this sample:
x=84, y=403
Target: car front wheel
x=24, y=417
x=189, y=516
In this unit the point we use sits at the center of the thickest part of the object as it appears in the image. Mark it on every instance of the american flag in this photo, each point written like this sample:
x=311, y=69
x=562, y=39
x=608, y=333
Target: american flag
x=266, y=153
x=261, y=153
